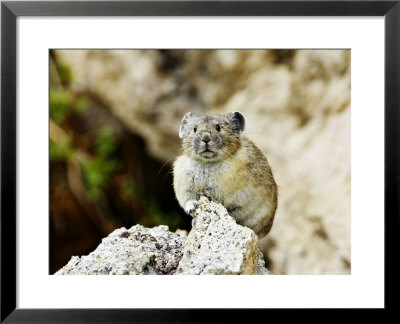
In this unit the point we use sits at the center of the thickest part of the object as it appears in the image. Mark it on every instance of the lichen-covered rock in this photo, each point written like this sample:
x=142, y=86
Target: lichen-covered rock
x=138, y=250
x=215, y=245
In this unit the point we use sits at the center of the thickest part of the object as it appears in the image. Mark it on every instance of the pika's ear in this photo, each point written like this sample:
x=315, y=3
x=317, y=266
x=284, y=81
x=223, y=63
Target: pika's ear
x=183, y=129
x=237, y=122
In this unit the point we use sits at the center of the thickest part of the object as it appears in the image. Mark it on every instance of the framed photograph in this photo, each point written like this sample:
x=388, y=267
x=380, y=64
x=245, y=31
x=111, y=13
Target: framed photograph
x=177, y=138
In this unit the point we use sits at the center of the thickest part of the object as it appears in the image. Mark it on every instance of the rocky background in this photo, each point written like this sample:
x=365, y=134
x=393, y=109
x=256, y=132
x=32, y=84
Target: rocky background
x=297, y=109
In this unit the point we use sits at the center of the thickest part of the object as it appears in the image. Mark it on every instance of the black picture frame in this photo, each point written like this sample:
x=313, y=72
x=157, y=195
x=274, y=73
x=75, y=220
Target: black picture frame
x=11, y=10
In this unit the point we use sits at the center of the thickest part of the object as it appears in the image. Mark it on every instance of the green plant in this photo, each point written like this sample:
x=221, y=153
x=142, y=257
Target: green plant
x=60, y=152
x=98, y=170
x=157, y=216
x=60, y=103
x=64, y=72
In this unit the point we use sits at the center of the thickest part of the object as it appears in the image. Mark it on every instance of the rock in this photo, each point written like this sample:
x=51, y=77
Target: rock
x=297, y=110
x=215, y=245
x=138, y=250
x=312, y=227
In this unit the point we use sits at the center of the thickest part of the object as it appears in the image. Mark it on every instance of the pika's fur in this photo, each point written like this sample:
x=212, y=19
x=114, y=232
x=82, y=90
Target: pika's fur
x=219, y=163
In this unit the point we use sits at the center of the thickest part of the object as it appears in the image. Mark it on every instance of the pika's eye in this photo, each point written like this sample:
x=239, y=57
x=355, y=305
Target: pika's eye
x=195, y=129
x=218, y=128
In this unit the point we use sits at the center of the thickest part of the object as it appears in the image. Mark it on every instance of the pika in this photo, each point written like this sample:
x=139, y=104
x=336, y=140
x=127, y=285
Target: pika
x=221, y=164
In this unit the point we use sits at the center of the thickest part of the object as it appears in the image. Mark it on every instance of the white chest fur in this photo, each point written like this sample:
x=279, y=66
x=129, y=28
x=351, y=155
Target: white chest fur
x=204, y=176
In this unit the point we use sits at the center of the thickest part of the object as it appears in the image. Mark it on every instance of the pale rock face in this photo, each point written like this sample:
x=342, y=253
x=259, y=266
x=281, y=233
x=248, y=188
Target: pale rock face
x=215, y=245
x=297, y=110
x=216, y=236
x=318, y=239
x=136, y=251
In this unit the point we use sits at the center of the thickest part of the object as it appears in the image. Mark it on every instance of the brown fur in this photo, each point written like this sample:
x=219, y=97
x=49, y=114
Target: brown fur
x=233, y=172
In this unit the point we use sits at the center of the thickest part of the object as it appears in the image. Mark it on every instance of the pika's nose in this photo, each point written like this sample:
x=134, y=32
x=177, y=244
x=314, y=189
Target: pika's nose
x=206, y=137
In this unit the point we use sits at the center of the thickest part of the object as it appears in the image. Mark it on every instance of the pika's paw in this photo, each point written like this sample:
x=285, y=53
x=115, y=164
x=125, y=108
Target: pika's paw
x=191, y=206
x=204, y=194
